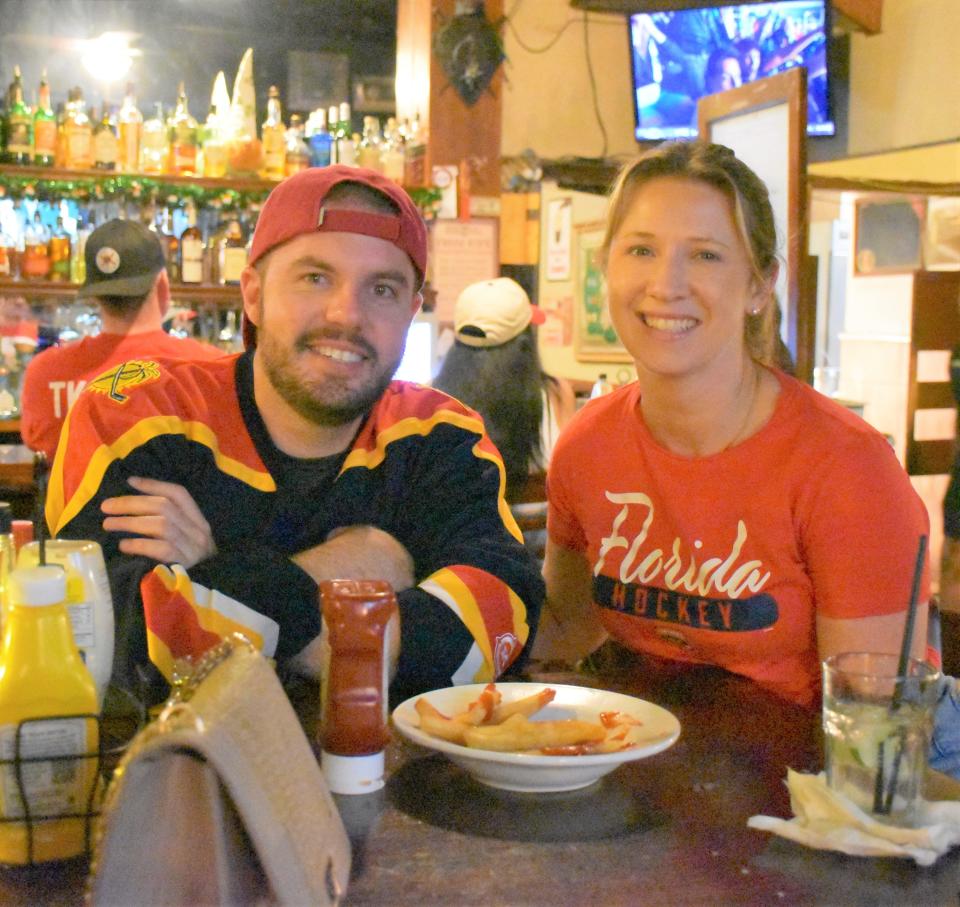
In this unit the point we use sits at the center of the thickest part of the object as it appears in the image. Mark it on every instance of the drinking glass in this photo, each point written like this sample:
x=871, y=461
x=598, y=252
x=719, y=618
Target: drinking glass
x=877, y=724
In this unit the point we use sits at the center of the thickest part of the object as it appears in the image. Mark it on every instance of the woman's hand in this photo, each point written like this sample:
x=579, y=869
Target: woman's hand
x=171, y=527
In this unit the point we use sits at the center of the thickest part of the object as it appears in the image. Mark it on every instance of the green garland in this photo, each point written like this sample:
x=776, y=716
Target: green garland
x=141, y=189
x=130, y=187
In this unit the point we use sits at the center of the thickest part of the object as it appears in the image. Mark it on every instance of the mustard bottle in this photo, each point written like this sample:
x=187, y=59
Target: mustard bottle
x=43, y=676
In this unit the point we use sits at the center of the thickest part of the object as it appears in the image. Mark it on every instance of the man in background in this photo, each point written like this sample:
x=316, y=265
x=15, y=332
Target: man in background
x=127, y=278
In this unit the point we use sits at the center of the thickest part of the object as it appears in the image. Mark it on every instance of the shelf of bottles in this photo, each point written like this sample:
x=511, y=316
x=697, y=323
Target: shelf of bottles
x=198, y=185
x=187, y=292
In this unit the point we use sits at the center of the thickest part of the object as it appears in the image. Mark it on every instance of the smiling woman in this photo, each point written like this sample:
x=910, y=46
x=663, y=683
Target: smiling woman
x=717, y=510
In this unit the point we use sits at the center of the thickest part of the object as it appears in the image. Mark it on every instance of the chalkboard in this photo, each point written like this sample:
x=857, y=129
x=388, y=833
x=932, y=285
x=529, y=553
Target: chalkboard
x=887, y=235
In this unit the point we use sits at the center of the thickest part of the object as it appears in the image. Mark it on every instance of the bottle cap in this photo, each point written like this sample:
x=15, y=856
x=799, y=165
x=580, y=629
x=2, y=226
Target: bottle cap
x=38, y=586
x=353, y=774
x=22, y=532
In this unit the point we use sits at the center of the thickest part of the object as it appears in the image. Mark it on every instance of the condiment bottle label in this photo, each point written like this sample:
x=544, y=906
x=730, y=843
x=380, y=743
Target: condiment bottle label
x=53, y=787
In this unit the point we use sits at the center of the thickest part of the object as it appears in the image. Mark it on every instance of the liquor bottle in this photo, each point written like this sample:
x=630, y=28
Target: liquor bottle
x=273, y=136
x=233, y=254
x=35, y=264
x=131, y=128
x=78, y=134
x=60, y=157
x=154, y=143
x=296, y=150
x=346, y=145
x=78, y=264
x=44, y=677
x=318, y=138
x=4, y=104
x=333, y=118
x=213, y=146
x=229, y=338
x=392, y=152
x=44, y=127
x=6, y=256
x=183, y=138
x=601, y=386
x=191, y=249
x=19, y=124
x=369, y=154
x=106, y=141
x=60, y=254
x=170, y=244
x=415, y=154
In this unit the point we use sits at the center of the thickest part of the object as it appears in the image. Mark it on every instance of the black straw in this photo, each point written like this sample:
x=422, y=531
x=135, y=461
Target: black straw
x=883, y=804
x=907, y=642
x=40, y=476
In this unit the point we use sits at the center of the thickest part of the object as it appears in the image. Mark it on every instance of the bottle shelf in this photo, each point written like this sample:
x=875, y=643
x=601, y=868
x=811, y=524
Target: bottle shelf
x=240, y=184
x=51, y=289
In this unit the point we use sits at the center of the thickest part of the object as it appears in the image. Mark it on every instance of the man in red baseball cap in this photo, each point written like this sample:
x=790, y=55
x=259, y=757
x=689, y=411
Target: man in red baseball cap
x=232, y=489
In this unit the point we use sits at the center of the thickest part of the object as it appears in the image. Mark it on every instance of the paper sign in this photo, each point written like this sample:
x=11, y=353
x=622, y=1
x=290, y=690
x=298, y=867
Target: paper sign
x=462, y=252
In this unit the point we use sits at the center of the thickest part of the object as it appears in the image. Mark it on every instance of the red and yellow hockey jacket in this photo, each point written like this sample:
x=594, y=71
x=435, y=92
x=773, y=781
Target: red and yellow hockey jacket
x=421, y=468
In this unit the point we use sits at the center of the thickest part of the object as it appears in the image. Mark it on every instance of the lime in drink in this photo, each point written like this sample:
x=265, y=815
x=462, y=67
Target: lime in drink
x=877, y=726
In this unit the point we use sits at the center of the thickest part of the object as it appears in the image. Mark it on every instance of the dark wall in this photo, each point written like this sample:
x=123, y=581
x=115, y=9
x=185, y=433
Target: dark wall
x=192, y=40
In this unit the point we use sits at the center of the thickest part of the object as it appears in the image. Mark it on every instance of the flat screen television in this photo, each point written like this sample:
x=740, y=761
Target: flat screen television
x=679, y=56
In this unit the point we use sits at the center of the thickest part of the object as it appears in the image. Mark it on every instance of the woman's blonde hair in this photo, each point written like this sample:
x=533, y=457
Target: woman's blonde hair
x=719, y=167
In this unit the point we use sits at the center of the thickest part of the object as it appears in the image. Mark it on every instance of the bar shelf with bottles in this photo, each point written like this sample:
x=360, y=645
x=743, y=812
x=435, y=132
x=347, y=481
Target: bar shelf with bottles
x=50, y=175
x=228, y=295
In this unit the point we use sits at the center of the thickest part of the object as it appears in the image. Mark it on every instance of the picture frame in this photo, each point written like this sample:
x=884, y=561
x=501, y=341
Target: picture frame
x=316, y=79
x=594, y=337
x=888, y=234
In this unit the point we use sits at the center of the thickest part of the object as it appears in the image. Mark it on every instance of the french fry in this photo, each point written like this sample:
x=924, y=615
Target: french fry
x=436, y=724
x=480, y=711
x=527, y=706
x=517, y=734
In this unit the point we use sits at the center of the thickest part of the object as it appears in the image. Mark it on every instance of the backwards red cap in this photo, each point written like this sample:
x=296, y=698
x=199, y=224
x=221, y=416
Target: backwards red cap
x=296, y=206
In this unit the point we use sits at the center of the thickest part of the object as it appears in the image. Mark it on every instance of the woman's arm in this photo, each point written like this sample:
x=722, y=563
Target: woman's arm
x=871, y=634
x=563, y=399
x=569, y=628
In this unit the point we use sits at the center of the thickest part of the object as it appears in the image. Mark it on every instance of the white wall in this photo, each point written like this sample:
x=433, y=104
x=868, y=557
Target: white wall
x=905, y=82
x=547, y=99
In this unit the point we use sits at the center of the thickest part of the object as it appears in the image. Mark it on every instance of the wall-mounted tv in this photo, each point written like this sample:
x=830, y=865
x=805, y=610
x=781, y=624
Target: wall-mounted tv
x=682, y=55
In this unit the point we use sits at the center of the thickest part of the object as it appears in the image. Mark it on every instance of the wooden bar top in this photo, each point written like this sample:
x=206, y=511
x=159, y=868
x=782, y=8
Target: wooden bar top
x=667, y=830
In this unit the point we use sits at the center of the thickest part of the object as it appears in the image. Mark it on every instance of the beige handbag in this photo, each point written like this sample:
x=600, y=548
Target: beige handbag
x=220, y=800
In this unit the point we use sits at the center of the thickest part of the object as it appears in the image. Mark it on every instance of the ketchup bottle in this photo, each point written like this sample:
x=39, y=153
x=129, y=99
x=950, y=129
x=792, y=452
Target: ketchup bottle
x=360, y=618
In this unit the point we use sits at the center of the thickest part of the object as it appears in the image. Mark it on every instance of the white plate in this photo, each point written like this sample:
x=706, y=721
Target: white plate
x=533, y=773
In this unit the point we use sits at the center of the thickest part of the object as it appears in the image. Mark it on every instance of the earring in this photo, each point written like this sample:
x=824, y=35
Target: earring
x=755, y=311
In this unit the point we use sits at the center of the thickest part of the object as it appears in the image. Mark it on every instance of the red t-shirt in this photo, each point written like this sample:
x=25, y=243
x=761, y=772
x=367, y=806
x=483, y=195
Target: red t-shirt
x=56, y=376
x=728, y=559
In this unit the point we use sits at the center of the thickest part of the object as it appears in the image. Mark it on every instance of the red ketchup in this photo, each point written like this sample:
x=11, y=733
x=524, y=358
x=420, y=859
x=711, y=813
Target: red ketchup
x=359, y=618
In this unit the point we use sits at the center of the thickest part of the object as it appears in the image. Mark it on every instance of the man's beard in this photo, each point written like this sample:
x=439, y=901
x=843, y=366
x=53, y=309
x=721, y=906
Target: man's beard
x=327, y=401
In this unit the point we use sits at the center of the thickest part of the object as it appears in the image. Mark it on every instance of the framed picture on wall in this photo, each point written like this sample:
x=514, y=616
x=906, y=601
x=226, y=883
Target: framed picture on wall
x=594, y=339
x=887, y=234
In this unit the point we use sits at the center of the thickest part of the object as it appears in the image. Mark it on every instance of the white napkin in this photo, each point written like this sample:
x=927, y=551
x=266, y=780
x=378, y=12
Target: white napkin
x=827, y=820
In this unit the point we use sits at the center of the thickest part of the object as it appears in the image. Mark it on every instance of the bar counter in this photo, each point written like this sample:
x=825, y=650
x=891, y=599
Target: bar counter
x=666, y=830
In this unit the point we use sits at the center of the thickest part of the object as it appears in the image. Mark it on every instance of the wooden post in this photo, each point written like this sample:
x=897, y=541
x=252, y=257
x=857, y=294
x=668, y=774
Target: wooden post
x=458, y=135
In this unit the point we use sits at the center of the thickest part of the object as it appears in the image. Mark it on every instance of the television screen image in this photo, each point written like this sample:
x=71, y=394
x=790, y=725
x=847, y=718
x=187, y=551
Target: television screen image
x=680, y=56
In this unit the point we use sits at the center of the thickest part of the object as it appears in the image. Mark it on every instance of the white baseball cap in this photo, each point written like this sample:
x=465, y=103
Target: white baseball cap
x=491, y=312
